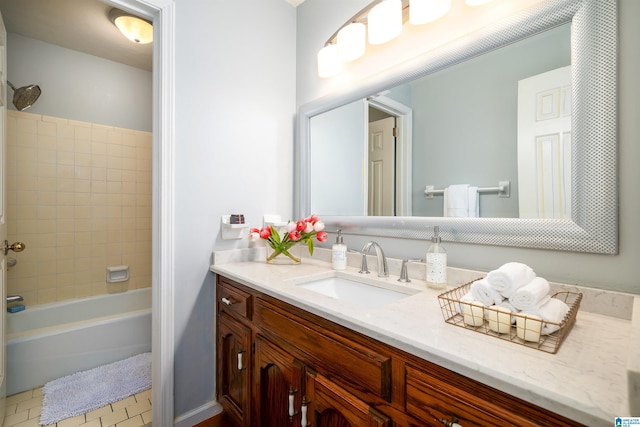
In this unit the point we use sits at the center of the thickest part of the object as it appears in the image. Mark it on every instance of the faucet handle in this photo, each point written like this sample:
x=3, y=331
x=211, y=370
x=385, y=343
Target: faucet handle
x=364, y=268
x=404, y=275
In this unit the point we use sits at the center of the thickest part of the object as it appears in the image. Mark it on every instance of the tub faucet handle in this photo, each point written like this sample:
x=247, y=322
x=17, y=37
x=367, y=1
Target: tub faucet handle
x=14, y=298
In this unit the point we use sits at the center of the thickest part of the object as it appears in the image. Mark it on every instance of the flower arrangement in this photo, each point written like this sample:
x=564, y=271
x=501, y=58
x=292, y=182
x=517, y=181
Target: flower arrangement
x=301, y=231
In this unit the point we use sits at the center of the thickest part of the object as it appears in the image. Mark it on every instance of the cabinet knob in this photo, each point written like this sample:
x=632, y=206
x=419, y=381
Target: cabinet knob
x=227, y=301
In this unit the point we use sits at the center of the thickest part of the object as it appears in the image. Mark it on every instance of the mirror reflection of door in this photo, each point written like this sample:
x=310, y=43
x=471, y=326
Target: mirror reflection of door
x=382, y=147
x=544, y=145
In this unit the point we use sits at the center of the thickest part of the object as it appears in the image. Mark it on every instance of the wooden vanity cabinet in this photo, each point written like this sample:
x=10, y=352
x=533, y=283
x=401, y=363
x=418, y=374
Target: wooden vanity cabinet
x=299, y=369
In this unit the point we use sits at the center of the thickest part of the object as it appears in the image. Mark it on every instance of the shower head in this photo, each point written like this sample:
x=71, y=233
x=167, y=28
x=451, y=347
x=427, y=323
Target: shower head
x=24, y=97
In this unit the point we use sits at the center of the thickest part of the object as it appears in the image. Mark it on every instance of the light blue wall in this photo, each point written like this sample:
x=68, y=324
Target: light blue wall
x=465, y=122
x=78, y=86
x=235, y=109
x=318, y=19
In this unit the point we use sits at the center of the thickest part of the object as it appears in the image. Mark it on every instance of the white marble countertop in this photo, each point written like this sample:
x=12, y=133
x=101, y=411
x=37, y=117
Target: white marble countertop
x=586, y=380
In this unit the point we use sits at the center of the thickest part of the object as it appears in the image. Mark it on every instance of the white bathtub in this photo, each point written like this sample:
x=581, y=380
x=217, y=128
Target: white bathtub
x=48, y=341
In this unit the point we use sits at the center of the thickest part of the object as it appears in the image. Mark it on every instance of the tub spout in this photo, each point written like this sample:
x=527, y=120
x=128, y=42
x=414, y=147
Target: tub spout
x=14, y=298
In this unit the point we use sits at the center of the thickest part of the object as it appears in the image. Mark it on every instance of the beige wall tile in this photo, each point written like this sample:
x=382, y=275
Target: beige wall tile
x=79, y=195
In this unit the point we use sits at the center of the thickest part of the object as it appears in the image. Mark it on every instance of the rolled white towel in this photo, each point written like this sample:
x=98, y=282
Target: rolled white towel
x=483, y=292
x=554, y=311
x=532, y=295
x=510, y=277
x=507, y=304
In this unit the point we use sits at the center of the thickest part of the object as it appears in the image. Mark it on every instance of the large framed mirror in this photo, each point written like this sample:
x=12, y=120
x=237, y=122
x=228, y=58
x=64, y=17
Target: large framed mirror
x=580, y=32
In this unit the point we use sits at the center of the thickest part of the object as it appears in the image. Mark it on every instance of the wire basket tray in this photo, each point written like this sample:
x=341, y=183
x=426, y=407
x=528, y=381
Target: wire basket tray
x=527, y=330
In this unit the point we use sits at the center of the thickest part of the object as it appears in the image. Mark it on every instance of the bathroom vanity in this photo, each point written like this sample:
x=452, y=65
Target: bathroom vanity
x=292, y=356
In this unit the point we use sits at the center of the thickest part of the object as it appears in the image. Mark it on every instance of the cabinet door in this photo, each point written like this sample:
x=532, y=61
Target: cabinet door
x=278, y=386
x=329, y=405
x=234, y=369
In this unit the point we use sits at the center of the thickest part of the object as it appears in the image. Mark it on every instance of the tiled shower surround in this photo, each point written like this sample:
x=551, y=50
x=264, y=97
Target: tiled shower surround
x=79, y=197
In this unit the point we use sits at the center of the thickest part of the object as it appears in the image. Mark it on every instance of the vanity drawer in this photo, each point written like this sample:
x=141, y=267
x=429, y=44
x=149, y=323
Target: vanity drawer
x=348, y=362
x=233, y=300
x=444, y=395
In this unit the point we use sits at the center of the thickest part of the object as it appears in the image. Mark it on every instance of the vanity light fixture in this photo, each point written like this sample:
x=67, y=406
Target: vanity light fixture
x=382, y=20
x=425, y=11
x=352, y=41
x=385, y=21
x=136, y=29
x=329, y=63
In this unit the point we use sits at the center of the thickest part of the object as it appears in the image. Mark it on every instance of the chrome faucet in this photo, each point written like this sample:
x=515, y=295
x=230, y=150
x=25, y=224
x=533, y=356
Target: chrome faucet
x=383, y=268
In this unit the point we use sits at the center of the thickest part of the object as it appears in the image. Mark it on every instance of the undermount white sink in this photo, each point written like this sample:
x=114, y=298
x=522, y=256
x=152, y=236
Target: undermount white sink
x=363, y=292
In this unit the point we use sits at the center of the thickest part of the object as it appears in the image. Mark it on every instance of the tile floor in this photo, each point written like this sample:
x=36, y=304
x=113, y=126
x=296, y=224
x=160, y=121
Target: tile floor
x=23, y=410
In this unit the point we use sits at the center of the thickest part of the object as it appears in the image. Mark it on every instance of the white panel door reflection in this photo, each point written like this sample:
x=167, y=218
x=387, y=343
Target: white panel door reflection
x=544, y=145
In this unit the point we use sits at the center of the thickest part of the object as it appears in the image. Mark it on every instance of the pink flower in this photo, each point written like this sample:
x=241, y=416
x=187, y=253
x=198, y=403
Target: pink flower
x=312, y=219
x=254, y=236
x=318, y=226
x=308, y=228
x=301, y=225
x=265, y=232
x=290, y=226
x=322, y=236
x=295, y=236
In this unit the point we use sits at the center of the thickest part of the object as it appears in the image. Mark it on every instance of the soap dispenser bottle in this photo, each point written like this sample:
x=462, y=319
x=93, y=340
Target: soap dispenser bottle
x=436, y=262
x=339, y=253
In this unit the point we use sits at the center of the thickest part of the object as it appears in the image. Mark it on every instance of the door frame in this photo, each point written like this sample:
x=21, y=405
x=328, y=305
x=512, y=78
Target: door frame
x=162, y=14
x=404, y=144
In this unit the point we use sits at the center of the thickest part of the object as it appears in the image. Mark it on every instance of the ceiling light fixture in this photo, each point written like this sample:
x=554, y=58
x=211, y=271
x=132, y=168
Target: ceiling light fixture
x=383, y=21
x=136, y=29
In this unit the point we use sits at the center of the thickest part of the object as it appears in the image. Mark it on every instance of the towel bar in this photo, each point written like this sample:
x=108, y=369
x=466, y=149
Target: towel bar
x=503, y=190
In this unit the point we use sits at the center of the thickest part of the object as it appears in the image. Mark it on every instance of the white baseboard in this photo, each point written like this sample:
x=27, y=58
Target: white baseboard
x=198, y=415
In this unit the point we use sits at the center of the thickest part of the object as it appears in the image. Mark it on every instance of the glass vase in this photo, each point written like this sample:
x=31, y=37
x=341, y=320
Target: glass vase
x=290, y=256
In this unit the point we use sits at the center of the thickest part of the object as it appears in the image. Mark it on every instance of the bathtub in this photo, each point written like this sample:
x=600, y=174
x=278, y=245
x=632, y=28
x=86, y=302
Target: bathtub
x=49, y=341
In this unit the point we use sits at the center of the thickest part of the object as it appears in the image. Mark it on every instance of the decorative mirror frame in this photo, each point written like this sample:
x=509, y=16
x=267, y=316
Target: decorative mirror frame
x=593, y=227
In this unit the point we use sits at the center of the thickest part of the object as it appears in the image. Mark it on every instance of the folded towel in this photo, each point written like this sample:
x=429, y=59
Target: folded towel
x=510, y=277
x=554, y=311
x=473, y=203
x=457, y=201
x=483, y=292
x=532, y=295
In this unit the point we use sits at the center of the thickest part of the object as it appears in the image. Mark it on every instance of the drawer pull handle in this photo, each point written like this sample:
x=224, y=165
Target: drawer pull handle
x=228, y=301
x=303, y=410
x=240, y=365
x=292, y=409
x=452, y=423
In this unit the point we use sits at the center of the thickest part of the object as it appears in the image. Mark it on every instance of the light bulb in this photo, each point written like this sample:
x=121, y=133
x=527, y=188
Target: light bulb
x=352, y=41
x=476, y=2
x=385, y=21
x=424, y=11
x=328, y=63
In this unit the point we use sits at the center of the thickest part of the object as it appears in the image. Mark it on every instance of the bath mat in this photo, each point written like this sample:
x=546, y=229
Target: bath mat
x=85, y=391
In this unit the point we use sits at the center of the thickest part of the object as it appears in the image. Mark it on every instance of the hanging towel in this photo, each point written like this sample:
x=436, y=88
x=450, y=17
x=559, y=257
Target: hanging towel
x=510, y=277
x=532, y=295
x=473, y=203
x=457, y=201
